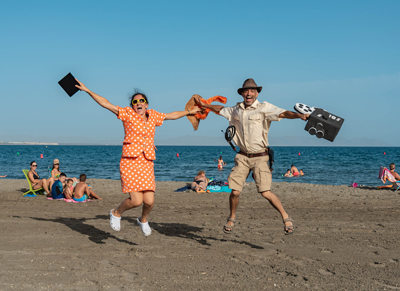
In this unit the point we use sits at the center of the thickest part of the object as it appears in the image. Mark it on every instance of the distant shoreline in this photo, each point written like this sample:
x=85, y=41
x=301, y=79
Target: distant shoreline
x=177, y=145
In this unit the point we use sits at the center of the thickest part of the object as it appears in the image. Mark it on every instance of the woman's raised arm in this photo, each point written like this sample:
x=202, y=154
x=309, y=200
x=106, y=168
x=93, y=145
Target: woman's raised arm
x=179, y=114
x=103, y=102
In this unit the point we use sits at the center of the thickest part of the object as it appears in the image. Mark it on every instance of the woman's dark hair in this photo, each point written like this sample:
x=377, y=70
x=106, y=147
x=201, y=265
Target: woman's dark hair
x=138, y=92
x=32, y=162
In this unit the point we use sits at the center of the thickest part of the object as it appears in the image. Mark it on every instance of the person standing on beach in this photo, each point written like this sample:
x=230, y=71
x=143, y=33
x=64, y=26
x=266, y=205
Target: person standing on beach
x=252, y=120
x=138, y=154
x=221, y=163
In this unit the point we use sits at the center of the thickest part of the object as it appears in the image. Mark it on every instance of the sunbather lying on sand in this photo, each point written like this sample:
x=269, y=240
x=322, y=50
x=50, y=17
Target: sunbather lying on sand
x=200, y=182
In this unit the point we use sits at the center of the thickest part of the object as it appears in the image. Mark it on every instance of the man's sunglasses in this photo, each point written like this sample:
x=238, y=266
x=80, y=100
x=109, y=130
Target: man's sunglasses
x=141, y=100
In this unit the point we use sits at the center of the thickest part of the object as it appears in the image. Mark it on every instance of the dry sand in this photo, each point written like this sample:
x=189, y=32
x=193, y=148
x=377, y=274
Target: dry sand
x=345, y=238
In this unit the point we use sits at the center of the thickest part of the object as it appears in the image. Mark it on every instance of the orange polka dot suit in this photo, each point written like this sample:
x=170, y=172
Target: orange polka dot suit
x=137, y=166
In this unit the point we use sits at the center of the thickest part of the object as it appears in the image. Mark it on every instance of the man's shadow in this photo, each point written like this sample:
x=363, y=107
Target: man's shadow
x=94, y=234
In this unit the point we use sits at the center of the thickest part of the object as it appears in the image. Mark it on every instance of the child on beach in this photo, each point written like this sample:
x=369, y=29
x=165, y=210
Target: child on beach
x=83, y=192
x=58, y=187
x=69, y=189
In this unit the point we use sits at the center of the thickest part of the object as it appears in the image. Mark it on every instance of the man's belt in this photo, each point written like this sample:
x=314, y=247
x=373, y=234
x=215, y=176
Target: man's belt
x=253, y=155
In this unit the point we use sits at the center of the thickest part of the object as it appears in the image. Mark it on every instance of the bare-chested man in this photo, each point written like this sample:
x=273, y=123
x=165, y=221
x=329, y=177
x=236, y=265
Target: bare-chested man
x=294, y=171
x=82, y=188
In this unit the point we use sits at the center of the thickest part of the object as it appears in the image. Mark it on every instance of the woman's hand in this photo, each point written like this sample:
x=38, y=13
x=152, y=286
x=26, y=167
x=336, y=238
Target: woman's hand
x=81, y=86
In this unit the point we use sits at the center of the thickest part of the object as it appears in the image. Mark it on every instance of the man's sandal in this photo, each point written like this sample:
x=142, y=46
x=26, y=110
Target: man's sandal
x=289, y=229
x=228, y=228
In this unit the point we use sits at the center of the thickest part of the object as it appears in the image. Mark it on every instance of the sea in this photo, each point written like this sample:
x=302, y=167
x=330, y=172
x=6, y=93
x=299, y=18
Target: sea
x=321, y=165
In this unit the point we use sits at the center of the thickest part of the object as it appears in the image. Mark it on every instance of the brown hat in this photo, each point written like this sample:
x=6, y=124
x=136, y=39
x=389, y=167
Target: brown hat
x=56, y=161
x=249, y=84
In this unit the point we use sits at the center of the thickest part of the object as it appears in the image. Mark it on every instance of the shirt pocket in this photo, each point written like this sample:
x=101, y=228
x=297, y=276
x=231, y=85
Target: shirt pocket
x=255, y=117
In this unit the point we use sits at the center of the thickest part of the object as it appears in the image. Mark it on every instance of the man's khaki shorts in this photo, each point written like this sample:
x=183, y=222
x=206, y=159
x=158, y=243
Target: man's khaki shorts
x=243, y=166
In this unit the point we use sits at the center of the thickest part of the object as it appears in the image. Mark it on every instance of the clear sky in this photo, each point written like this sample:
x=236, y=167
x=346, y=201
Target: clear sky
x=342, y=56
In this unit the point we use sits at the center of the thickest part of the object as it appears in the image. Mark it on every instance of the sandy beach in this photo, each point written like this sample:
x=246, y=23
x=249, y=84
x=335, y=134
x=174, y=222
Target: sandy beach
x=345, y=238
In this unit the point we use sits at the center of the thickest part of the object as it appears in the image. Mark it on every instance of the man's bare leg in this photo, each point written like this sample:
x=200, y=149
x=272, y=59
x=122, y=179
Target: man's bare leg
x=233, y=204
x=276, y=203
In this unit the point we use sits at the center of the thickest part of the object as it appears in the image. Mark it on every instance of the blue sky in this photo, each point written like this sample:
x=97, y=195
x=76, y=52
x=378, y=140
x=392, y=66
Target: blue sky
x=342, y=56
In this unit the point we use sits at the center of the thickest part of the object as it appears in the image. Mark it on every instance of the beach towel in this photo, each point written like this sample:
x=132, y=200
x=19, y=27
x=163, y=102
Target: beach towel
x=384, y=175
x=30, y=195
x=195, y=119
x=214, y=189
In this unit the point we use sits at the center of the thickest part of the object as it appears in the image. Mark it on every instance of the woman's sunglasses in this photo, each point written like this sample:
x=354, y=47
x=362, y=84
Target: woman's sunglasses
x=141, y=100
x=34, y=165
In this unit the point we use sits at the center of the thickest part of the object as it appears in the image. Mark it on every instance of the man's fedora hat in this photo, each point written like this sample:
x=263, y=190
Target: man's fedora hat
x=249, y=84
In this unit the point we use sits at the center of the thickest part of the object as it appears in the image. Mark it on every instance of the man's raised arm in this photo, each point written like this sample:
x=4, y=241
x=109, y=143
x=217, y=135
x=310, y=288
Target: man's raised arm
x=293, y=115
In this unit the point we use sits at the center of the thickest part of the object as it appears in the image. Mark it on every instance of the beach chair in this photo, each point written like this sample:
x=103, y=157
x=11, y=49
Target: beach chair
x=385, y=175
x=30, y=184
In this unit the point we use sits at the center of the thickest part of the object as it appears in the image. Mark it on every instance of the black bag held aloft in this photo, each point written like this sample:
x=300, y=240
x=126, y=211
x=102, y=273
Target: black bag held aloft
x=324, y=124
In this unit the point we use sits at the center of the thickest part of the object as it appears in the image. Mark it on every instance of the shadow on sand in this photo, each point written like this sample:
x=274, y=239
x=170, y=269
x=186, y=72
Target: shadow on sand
x=94, y=234
x=98, y=236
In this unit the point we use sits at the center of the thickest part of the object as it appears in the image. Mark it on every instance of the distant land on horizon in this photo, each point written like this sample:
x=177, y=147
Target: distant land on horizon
x=220, y=141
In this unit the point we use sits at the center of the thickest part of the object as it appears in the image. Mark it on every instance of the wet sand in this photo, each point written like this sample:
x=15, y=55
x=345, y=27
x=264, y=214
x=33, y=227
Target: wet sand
x=345, y=238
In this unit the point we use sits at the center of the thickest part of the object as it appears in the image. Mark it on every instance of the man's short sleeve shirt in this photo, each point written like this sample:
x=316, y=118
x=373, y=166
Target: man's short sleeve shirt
x=252, y=124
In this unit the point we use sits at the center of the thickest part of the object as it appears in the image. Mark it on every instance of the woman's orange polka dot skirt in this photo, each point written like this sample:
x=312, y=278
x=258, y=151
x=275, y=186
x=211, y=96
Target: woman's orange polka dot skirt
x=137, y=174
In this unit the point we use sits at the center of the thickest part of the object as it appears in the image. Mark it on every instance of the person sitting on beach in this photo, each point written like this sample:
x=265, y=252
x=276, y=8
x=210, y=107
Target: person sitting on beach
x=83, y=192
x=288, y=174
x=294, y=171
x=36, y=182
x=55, y=173
x=221, y=163
x=58, y=187
x=392, y=171
x=68, y=189
x=200, y=182
x=301, y=173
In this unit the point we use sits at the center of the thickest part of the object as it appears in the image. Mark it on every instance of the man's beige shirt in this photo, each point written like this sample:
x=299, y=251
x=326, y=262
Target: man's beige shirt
x=252, y=124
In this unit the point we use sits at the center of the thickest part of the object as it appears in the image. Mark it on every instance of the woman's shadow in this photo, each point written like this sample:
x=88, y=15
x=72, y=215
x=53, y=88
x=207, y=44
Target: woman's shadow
x=94, y=234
